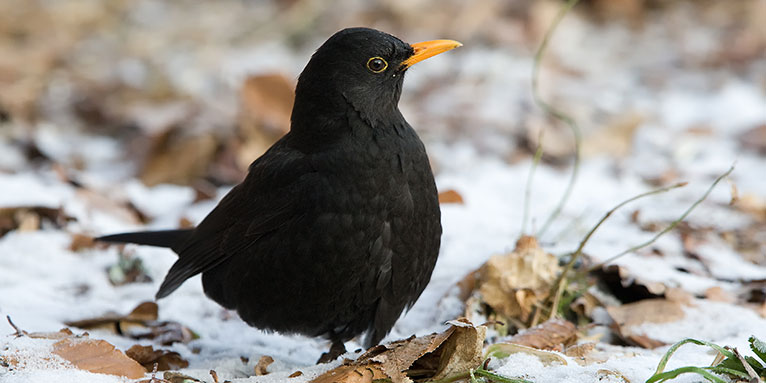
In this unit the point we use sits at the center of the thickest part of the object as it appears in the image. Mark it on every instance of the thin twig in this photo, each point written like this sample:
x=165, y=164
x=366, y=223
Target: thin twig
x=750, y=371
x=528, y=189
x=557, y=114
x=557, y=289
x=672, y=224
x=19, y=332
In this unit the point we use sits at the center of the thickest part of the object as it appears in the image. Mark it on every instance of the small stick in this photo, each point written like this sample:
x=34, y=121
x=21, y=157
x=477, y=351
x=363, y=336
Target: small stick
x=557, y=114
x=528, y=189
x=557, y=289
x=672, y=224
x=748, y=367
x=19, y=332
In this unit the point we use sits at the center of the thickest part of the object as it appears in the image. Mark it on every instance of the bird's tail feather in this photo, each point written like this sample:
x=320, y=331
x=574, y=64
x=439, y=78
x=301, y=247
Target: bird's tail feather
x=173, y=239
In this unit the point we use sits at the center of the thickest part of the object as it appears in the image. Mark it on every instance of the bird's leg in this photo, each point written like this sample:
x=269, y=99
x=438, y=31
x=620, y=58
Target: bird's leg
x=336, y=349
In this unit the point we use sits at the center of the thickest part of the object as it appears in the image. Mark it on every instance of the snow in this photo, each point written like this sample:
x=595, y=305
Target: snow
x=43, y=283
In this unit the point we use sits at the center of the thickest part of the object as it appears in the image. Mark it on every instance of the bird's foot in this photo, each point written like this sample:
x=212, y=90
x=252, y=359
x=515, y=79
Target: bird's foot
x=337, y=349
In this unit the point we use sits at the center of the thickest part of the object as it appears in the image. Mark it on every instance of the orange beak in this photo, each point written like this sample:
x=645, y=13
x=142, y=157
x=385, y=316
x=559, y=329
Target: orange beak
x=428, y=49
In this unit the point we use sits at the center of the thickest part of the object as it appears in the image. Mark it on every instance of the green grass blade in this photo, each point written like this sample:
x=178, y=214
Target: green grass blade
x=661, y=377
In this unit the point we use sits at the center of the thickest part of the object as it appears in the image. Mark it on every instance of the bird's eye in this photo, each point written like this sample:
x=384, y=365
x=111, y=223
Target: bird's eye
x=377, y=64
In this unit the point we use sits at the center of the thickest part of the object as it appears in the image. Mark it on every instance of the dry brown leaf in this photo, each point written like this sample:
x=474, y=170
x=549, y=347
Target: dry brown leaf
x=263, y=364
x=628, y=318
x=716, y=293
x=141, y=323
x=147, y=356
x=61, y=334
x=266, y=103
x=626, y=287
x=178, y=158
x=513, y=283
x=461, y=351
x=615, y=138
x=436, y=355
x=450, y=196
x=554, y=335
x=580, y=350
x=100, y=203
x=177, y=377
x=30, y=218
x=295, y=374
x=146, y=311
x=97, y=356
x=754, y=139
x=585, y=304
x=546, y=357
x=81, y=242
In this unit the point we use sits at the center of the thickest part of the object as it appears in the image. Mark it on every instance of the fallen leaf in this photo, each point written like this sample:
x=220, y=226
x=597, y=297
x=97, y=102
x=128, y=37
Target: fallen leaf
x=122, y=210
x=295, y=374
x=513, y=283
x=427, y=357
x=165, y=360
x=754, y=139
x=263, y=364
x=629, y=318
x=554, y=334
x=177, y=377
x=178, y=158
x=266, y=103
x=626, y=287
x=502, y=350
x=30, y=218
x=141, y=323
x=61, y=334
x=450, y=196
x=462, y=351
x=81, y=242
x=97, y=356
x=615, y=138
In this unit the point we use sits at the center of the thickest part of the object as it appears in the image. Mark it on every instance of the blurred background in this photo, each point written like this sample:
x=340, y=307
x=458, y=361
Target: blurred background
x=191, y=92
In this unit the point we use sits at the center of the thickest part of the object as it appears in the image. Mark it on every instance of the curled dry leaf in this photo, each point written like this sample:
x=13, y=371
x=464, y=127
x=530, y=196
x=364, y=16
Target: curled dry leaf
x=428, y=357
x=81, y=242
x=502, y=350
x=513, y=283
x=141, y=323
x=754, y=139
x=450, y=196
x=30, y=218
x=554, y=334
x=165, y=360
x=266, y=103
x=615, y=138
x=177, y=377
x=178, y=158
x=97, y=356
x=626, y=287
x=123, y=210
x=262, y=365
x=629, y=318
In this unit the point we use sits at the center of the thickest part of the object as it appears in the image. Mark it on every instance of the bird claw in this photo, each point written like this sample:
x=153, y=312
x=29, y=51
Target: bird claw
x=337, y=349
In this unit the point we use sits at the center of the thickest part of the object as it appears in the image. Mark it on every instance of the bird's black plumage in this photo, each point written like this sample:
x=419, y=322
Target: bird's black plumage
x=336, y=228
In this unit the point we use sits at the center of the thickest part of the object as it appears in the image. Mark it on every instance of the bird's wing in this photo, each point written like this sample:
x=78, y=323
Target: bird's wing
x=260, y=204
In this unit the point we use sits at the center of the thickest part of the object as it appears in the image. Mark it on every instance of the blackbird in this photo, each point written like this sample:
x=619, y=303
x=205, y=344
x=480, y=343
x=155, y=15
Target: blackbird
x=336, y=228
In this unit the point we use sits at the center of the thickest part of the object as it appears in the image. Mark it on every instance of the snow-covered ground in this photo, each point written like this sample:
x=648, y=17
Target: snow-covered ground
x=691, y=121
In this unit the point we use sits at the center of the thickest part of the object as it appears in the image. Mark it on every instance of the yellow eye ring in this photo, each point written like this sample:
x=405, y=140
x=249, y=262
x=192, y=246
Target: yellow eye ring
x=374, y=64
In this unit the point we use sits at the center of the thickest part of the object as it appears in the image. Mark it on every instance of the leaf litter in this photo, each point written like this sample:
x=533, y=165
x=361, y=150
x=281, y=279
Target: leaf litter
x=639, y=304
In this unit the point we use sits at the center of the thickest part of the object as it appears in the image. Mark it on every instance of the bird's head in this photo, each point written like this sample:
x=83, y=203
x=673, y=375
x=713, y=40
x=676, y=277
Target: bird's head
x=357, y=68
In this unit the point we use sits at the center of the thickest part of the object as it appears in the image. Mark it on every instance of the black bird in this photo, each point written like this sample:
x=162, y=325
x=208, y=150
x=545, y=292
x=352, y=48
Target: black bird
x=336, y=228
